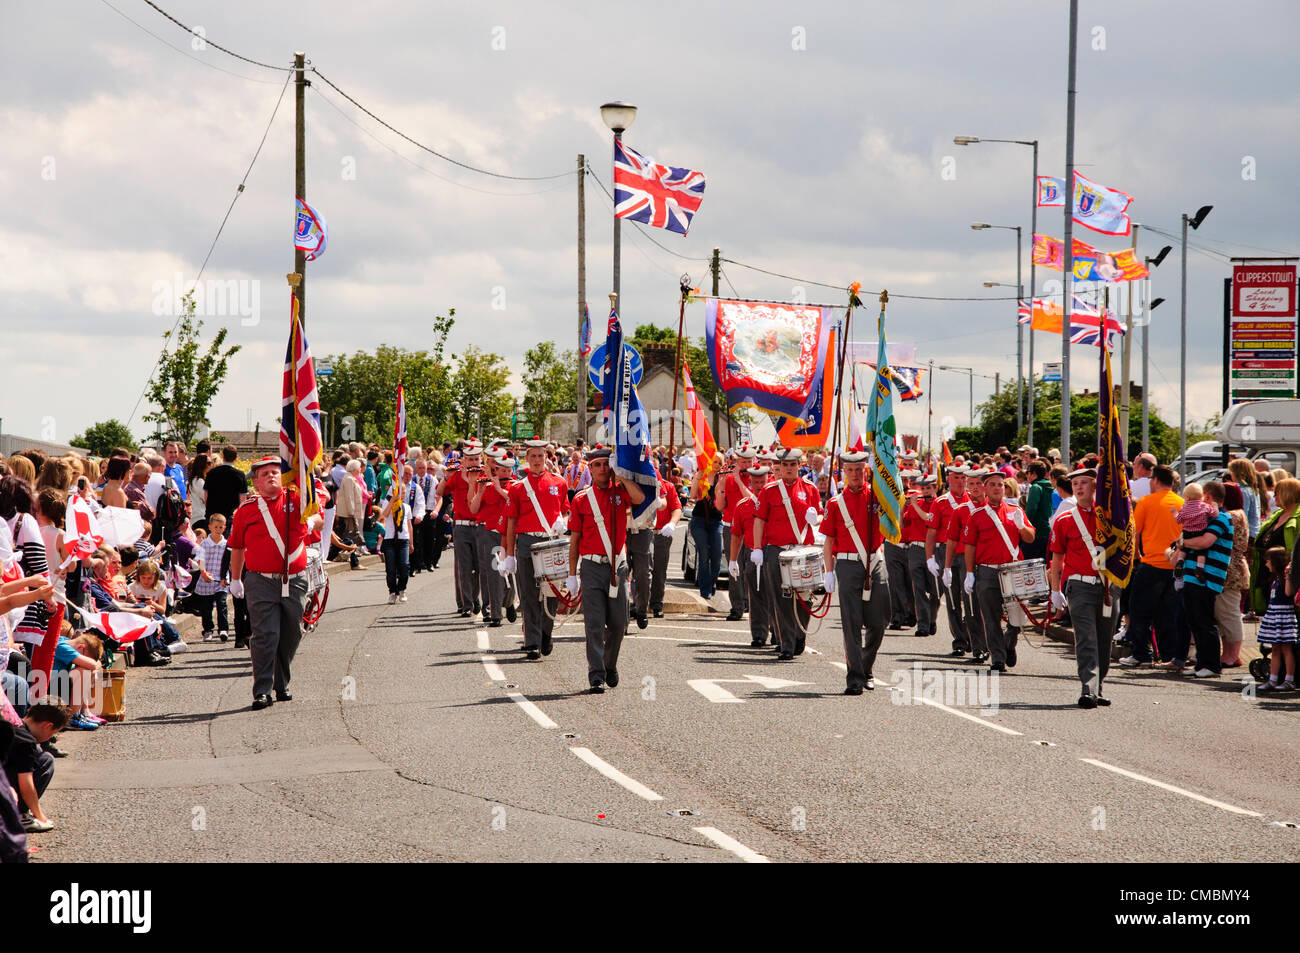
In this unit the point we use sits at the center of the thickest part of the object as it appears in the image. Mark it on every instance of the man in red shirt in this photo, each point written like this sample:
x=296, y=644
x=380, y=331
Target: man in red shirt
x=599, y=532
x=669, y=512
x=733, y=487
x=464, y=527
x=487, y=501
x=936, y=554
x=955, y=569
x=855, y=565
x=535, y=511
x=916, y=525
x=264, y=526
x=903, y=614
x=743, y=572
x=1076, y=582
x=992, y=538
x=788, y=510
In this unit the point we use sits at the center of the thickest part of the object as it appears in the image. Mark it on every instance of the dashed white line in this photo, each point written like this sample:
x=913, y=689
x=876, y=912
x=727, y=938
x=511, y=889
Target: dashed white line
x=1169, y=787
x=493, y=669
x=961, y=714
x=730, y=843
x=669, y=638
x=615, y=775
x=691, y=628
x=535, y=713
x=484, y=643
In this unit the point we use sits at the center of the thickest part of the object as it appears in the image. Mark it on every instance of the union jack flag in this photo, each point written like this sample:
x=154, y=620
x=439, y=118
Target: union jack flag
x=1023, y=312
x=1087, y=329
x=659, y=195
x=301, y=447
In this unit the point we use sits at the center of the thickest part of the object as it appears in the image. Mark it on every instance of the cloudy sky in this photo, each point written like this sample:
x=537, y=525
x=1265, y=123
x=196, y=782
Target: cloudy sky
x=824, y=129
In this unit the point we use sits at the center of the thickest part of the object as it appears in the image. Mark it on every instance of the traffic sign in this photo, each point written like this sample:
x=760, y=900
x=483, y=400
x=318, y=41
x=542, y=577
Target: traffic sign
x=596, y=367
x=324, y=367
x=1052, y=372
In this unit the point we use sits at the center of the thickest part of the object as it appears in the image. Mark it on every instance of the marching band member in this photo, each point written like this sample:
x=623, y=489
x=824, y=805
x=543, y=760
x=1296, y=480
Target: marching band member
x=788, y=509
x=599, y=518
x=743, y=572
x=535, y=510
x=487, y=501
x=464, y=530
x=855, y=566
x=732, y=489
x=992, y=538
x=665, y=525
x=1077, y=582
x=903, y=610
x=916, y=523
x=956, y=570
x=936, y=557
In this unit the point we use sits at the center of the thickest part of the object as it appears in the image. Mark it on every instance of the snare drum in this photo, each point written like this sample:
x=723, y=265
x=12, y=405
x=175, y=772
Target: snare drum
x=551, y=559
x=1024, y=581
x=801, y=568
x=315, y=570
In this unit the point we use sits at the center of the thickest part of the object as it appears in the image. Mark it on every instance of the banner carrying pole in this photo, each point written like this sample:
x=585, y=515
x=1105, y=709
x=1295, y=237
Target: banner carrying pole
x=839, y=369
x=685, y=286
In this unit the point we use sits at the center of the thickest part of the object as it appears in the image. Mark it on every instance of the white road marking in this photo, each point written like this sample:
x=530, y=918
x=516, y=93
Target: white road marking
x=535, y=713
x=615, y=775
x=493, y=669
x=484, y=643
x=730, y=843
x=691, y=628
x=669, y=638
x=1169, y=787
x=840, y=665
x=961, y=714
x=711, y=688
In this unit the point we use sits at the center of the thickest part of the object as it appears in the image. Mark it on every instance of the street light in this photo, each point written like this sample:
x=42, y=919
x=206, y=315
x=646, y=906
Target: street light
x=1146, y=345
x=970, y=371
x=618, y=116
x=1195, y=222
x=1020, y=334
x=1033, y=230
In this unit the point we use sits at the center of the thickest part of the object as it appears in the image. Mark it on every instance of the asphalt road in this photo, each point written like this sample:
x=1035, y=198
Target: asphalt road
x=417, y=735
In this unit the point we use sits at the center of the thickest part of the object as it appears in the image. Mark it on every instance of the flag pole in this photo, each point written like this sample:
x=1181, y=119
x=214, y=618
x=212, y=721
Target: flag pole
x=295, y=280
x=839, y=369
x=677, y=362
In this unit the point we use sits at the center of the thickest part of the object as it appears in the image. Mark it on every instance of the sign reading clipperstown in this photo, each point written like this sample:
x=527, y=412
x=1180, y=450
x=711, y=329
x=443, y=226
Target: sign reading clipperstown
x=1262, y=334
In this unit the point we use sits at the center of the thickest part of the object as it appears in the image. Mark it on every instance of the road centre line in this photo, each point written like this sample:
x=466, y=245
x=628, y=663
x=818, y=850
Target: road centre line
x=1169, y=787
x=961, y=714
x=493, y=669
x=535, y=713
x=615, y=775
x=484, y=643
x=730, y=843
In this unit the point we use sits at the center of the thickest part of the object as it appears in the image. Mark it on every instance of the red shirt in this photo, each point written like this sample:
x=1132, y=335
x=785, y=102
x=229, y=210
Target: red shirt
x=735, y=493
x=777, y=530
x=915, y=526
x=249, y=533
x=492, y=508
x=458, y=487
x=672, y=503
x=1067, y=541
x=613, y=502
x=837, y=530
x=552, y=495
x=982, y=533
x=942, y=515
x=742, y=521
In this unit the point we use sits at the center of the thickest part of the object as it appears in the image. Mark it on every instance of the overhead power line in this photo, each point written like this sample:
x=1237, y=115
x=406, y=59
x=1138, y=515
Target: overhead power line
x=216, y=46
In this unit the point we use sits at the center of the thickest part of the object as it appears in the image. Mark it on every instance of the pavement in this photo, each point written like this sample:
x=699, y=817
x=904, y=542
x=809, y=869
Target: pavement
x=416, y=735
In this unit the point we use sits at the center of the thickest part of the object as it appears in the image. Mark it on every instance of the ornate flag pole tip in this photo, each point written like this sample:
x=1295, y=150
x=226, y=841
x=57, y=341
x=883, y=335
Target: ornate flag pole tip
x=294, y=279
x=613, y=297
x=884, y=298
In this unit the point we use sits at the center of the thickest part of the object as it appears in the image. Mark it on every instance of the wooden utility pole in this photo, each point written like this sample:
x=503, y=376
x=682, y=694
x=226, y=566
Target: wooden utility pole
x=582, y=295
x=300, y=173
x=677, y=365
x=715, y=266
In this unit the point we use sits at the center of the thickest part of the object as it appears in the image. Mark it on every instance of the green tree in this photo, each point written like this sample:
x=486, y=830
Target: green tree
x=549, y=384
x=186, y=382
x=478, y=393
x=103, y=438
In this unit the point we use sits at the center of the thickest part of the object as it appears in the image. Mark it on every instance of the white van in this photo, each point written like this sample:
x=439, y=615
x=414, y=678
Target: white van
x=1266, y=428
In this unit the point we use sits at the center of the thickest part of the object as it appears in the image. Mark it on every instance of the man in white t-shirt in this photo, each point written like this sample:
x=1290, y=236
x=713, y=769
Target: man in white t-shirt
x=158, y=482
x=687, y=463
x=1140, y=485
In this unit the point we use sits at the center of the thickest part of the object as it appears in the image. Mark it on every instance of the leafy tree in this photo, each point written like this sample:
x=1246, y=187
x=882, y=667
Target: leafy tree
x=478, y=393
x=549, y=383
x=186, y=382
x=103, y=438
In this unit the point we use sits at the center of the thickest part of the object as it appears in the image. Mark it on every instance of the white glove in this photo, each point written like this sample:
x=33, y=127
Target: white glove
x=667, y=531
x=969, y=584
x=756, y=557
x=1018, y=517
x=560, y=526
x=828, y=582
x=933, y=565
x=811, y=517
x=572, y=585
x=947, y=578
x=507, y=565
x=237, y=588
x=1058, y=601
x=733, y=569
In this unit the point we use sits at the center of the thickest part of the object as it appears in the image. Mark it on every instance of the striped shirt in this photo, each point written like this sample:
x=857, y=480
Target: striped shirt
x=1217, y=558
x=211, y=553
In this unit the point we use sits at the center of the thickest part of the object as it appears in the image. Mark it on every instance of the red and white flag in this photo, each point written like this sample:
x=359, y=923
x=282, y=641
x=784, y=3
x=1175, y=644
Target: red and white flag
x=400, y=446
x=81, y=533
x=122, y=627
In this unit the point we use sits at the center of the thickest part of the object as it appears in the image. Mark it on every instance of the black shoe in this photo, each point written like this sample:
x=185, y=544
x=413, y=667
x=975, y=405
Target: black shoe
x=798, y=648
x=241, y=643
x=534, y=655
x=895, y=627
x=997, y=667
x=53, y=751
x=494, y=624
x=755, y=643
x=734, y=616
x=158, y=659
x=853, y=690
x=597, y=688
x=785, y=657
x=477, y=607
x=511, y=614
x=640, y=624
x=611, y=677
x=284, y=696
x=979, y=658
x=871, y=683
x=547, y=645
x=262, y=701
x=1103, y=701
x=465, y=613
x=1011, y=656
x=1087, y=701
x=659, y=612
x=956, y=653
x=923, y=634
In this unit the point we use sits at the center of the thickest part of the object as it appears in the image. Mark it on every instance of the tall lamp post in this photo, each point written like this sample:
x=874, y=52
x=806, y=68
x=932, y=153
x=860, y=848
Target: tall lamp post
x=1020, y=335
x=1195, y=222
x=1033, y=230
x=1146, y=344
x=617, y=116
x=970, y=372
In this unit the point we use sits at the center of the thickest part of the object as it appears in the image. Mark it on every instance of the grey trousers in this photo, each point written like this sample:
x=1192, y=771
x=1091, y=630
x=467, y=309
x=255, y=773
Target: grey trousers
x=638, y=557
x=603, y=618
x=1092, y=631
x=900, y=589
x=955, y=599
x=663, y=549
x=862, y=614
x=277, y=628
x=464, y=541
x=737, y=595
x=491, y=583
x=988, y=594
x=761, y=621
x=537, y=624
x=791, y=618
x=925, y=592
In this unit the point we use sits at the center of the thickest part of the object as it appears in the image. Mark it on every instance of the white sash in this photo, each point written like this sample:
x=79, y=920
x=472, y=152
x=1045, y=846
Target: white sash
x=853, y=532
x=1097, y=558
x=279, y=541
x=789, y=511
x=997, y=524
x=590, y=493
x=537, y=508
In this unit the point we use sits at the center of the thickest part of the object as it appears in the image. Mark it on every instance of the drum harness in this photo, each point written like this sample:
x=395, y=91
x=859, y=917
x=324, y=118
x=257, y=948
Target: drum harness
x=1050, y=614
x=568, y=605
x=824, y=606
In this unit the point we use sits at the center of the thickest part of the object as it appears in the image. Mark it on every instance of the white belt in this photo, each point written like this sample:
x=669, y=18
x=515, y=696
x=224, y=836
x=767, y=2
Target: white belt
x=725, y=523
x=278, y=575
x=536, y=535
x=849, y=557
x=915, y=542
x=466, y=522
x=604, y=560
x=1091, y=580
